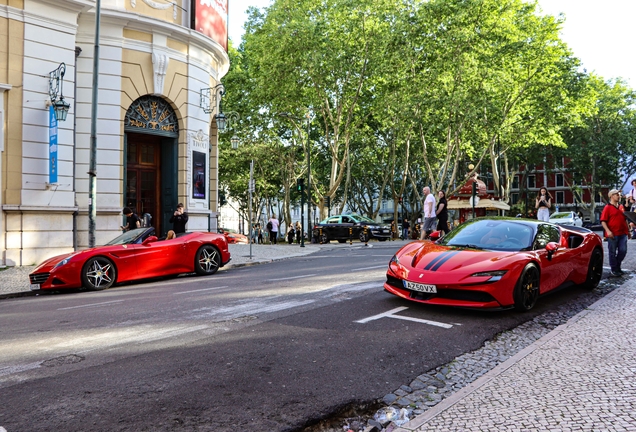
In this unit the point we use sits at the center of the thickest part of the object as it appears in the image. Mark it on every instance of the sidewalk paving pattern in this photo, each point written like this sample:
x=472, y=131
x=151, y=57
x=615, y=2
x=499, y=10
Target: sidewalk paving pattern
x=579, y=377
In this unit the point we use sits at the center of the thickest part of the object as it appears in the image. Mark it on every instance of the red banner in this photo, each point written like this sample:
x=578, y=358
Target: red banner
x=211, y=20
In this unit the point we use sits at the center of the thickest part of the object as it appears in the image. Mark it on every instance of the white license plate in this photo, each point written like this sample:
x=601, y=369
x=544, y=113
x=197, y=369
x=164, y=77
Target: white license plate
x=420, y=287
x=35, y=287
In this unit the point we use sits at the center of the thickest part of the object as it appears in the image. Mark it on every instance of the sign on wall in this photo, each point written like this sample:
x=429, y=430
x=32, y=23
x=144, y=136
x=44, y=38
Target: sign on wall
x=210, y=18
x=199, y=167
x=52, y=146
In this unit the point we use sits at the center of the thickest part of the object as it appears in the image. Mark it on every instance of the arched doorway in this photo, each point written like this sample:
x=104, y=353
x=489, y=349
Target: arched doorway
x=151, y=131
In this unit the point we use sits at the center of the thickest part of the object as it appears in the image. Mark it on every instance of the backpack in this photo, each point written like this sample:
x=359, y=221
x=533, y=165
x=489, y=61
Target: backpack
x=269, y=226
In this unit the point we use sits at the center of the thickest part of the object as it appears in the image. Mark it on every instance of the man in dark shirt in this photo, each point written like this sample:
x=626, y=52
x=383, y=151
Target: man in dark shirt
x=132, y=220
x=405, y=229
x=179, y=220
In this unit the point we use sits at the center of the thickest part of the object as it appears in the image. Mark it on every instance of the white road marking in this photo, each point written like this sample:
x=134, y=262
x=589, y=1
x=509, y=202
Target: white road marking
x=92, y=304
x=386, y=266
x=199, y=290
x=382, y=315
x=290, y=278
x=392, y=312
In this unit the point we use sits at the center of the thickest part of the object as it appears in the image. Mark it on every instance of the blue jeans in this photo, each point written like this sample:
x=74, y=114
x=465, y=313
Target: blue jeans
x=405, y=233
x=617, y=251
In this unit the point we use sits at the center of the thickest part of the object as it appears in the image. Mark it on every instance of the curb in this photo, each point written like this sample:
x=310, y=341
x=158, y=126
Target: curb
x=422, y=419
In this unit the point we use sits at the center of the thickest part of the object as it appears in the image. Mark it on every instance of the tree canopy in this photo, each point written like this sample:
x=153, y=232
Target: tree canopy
x=387, y=96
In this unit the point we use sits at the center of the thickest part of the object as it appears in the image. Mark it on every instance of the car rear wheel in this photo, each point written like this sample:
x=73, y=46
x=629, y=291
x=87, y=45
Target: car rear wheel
x=207, y=260
x=594, y=270
x=526, y=292
x=99, y=273
x=324, y=238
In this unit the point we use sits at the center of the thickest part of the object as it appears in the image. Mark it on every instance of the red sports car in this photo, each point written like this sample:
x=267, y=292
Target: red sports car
x=233, y=237
x=496, y=263
x=136, y=254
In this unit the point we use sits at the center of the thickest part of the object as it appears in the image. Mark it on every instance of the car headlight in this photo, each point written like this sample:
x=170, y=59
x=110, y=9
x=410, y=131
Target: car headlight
x=63, y=262
x=494, y=275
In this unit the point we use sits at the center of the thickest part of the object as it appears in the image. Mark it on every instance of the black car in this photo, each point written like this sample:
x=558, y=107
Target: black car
x=350, y=226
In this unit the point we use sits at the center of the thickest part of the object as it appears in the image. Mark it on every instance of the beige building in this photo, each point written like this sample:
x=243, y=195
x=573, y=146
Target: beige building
x=155, y=133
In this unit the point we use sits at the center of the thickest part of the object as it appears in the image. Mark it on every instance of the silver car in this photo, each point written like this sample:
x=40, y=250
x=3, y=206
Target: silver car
x=566, y=218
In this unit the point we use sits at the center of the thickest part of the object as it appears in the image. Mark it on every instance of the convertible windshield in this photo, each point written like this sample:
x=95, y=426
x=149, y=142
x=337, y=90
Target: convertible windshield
x=492, y=235
x=128, y=237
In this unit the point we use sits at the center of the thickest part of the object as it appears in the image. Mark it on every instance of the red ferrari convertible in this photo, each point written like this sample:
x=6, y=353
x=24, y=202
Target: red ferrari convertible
x=496, y=263
x=136, y=254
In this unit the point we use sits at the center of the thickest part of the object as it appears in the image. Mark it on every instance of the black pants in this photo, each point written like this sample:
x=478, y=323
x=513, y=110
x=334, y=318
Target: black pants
x=273, y=236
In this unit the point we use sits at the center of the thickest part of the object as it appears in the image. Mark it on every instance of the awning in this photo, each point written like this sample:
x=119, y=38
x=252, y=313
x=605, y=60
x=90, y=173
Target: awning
x=483, y=203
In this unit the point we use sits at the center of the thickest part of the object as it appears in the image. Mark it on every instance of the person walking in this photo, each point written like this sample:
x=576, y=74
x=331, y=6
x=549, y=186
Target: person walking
x=272, y=226
x=543, y=203
x=429, y=213
x=179, y=219
x=442, y=213
x=260, y=233
x=405, y=229
x=616, y=231
x=132, y=220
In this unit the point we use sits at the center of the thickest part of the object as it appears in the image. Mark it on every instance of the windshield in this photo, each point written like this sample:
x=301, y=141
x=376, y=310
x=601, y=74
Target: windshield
x=129, y=237
x=363, y=219
x=491, y=235
x=560, y=215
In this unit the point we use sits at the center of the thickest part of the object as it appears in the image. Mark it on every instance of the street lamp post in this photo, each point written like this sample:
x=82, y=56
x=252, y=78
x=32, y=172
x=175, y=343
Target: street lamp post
x=92, y=162
x=309, y=225
x=307, y=187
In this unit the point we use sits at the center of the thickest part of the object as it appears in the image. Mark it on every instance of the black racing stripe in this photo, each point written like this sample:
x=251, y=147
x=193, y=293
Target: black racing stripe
x=432, y=263
x=446, y=258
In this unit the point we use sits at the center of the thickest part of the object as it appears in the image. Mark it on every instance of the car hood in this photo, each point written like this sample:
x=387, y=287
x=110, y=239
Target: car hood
x=48, y=264
x=430, y=257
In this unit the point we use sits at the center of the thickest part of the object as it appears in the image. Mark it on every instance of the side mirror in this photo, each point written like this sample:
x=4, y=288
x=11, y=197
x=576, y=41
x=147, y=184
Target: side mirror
x=149, y=240
x=435, y=235
x=551, y=247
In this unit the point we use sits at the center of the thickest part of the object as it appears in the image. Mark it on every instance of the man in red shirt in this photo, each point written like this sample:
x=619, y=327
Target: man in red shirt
x=616, y=230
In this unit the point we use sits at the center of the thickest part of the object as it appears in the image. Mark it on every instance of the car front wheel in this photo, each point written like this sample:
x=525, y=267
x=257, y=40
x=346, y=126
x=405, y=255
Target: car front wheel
x=99, y=273
x=207, y=260
x=526, y=292
x=364, y=237
x=594, y=270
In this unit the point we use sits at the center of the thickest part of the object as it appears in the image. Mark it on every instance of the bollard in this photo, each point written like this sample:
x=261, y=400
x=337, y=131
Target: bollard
x=366, y=237
x=350, y=236
x=320, y=235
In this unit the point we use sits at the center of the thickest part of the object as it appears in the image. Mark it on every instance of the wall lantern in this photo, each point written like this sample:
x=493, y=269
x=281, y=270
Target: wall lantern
x=235, y=142
x=56, y=81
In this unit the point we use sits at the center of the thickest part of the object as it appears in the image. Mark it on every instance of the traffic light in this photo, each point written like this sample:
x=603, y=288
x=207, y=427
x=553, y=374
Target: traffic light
x=300, y=184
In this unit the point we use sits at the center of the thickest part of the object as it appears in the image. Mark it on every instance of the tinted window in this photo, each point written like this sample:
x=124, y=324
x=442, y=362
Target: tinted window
x=334, y=220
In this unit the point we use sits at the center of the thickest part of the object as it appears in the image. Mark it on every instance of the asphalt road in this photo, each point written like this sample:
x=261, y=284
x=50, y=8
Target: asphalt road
x=262, y=348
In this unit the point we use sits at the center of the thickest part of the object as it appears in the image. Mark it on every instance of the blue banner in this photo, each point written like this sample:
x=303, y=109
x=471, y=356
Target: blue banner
x=52, y=146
